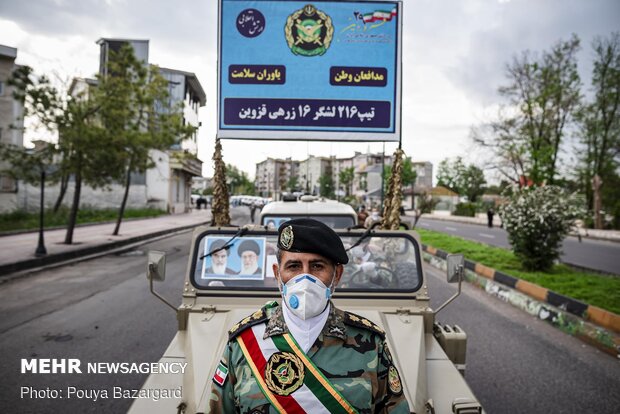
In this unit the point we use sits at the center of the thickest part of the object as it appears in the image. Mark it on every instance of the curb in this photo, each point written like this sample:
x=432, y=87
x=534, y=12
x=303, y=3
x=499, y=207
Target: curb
x=39, y=262
x=591, y=324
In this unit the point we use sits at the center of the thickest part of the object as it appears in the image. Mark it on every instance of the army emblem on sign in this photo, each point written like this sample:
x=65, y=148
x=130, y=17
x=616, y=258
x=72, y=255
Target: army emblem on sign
x=309, y=31
x=286, y=238
x=284, y=373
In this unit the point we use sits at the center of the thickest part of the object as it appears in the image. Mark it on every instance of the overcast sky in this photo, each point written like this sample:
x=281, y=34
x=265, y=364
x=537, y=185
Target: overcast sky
x=454, y=55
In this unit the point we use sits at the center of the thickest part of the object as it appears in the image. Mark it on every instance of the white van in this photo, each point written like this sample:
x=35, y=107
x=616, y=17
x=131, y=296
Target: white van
x=333, y=213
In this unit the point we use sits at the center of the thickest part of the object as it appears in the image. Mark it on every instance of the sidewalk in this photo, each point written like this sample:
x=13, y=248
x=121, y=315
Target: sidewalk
x=17, y=251
x=481, y=220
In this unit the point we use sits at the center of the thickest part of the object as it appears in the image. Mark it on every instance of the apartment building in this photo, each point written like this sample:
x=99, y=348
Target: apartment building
x=11, y=126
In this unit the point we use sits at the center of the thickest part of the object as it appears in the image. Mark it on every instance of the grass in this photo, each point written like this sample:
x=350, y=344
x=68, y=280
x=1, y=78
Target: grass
x=21, y=220
x=592, y=288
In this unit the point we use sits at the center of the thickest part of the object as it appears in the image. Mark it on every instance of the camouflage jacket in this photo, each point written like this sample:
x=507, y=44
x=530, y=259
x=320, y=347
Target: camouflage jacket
x=350, y=351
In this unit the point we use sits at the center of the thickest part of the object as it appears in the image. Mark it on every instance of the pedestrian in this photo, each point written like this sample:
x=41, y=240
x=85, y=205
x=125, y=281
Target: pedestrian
x=283, y=357
x=373, y=219
x=362, y=215
x=252, y=211
x=490, y=214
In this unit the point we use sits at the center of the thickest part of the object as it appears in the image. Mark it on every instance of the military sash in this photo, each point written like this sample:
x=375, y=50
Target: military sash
x=287, y=377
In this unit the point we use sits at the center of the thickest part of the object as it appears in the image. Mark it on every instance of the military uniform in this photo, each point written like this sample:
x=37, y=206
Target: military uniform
x=351, y=353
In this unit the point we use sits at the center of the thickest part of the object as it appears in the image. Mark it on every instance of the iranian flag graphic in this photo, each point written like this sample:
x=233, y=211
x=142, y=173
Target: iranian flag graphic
x=379, y=15
x=220, y=374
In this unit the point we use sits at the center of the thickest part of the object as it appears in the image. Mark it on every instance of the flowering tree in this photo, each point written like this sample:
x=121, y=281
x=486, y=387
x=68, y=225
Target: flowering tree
x=537, y=219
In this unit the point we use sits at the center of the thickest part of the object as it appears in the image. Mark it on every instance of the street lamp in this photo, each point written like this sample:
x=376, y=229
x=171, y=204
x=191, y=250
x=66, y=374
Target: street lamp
x=41, y=250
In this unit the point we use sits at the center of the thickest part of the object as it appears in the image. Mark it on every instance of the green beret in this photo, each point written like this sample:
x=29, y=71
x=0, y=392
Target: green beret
x=305, y=235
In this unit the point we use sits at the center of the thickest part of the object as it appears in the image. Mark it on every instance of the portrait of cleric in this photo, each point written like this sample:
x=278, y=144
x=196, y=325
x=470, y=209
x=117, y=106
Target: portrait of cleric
x=241, y=259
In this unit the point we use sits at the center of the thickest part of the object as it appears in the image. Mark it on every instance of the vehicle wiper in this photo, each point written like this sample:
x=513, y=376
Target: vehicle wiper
x=228, y=244
x=361, y=239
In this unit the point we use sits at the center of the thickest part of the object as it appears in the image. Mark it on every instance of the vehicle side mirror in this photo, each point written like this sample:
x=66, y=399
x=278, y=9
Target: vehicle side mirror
x=156, y=266
x=455, y=267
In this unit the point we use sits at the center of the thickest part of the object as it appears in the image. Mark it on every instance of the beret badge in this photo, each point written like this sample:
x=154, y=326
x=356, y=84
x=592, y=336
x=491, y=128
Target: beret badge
x=286, y=238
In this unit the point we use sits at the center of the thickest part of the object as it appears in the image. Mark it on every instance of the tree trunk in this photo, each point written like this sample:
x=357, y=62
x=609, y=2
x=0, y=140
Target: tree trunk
x=64, y=183
x=74, y=208
x=412, y=196
x=124, y=202
x=596, y=188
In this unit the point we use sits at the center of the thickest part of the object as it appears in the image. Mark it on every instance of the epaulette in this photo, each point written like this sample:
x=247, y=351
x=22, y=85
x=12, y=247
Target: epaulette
x=361, y=322
x=247, y=322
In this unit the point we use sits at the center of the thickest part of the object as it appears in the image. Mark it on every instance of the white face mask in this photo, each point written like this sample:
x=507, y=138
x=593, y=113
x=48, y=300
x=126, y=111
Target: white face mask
x=306, y=296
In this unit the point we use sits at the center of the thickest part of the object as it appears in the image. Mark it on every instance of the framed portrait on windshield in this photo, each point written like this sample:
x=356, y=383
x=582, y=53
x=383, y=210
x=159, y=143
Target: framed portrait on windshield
x=242, y=258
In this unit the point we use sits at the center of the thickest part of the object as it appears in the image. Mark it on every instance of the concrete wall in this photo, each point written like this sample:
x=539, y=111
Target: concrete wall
x=157, y=179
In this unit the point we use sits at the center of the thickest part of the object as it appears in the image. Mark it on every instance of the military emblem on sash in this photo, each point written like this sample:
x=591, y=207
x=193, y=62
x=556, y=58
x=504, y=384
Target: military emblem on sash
x=309, y=31
x=284, y=373
x=394, y=383
x=286, y=238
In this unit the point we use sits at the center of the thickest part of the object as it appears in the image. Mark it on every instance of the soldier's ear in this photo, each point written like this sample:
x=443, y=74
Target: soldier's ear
x=339, y=271
x=276, y=272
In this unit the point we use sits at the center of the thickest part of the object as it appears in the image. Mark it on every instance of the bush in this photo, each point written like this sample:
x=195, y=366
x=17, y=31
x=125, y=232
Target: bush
x=537, y=219
x=465, y=209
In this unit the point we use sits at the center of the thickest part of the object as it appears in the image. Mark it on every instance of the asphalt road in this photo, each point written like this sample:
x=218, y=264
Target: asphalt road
x=590, y=254
x=101, y=311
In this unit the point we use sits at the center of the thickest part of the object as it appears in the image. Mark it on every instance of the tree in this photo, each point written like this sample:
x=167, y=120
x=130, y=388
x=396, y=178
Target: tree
x=292, y=183
x=537, y=219
x=346, y=176
x=543, y=95
x=466, y=180
x=137, y=115
x=600, y=130
x=409, y=175
x=326, y=186
x=426, y=204
x=238, y=181
x=82, y=150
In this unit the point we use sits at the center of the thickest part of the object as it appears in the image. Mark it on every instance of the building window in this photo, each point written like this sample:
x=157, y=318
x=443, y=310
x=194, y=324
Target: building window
x=7, y=184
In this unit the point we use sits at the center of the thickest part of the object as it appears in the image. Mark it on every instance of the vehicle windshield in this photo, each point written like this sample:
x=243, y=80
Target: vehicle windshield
x=378, y=262
x=331, y=220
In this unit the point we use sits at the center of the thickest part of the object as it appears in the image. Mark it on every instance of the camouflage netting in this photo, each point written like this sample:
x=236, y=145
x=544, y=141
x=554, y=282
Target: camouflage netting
x=220, y=209
x=394, y=196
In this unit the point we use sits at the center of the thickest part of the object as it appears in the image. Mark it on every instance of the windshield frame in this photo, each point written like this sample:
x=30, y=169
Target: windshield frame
x=350, y=293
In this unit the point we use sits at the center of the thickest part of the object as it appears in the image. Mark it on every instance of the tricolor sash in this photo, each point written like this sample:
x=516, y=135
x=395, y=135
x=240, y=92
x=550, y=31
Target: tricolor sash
x=287, y=377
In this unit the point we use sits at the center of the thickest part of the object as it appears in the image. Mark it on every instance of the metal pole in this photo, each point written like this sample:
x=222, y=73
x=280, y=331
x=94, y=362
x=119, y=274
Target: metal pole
x=382, y=176
x=41, y=251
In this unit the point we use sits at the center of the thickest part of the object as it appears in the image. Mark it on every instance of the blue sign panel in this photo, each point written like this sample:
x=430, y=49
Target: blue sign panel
x=322, y=70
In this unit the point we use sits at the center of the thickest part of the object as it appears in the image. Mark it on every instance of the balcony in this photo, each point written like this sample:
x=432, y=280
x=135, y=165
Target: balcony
x=187, y=162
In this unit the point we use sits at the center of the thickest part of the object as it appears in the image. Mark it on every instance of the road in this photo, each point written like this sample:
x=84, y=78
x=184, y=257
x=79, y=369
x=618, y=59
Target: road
x=590, y=254
x=101, y=311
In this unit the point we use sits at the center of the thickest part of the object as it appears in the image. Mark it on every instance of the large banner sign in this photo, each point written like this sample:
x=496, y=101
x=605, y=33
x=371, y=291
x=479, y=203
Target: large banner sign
x=309, y=70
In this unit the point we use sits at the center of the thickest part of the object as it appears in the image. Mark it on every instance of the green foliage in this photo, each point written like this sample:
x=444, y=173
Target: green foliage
x=326, y=186
x=537, y=219
x=346, y=176
x=465, y=209
x=599, y=123
x=466, y=180
x=591, y=288
x=238, y=181
x=22, y=220
x=543, y=94
x=409, y=173
x=292, y=183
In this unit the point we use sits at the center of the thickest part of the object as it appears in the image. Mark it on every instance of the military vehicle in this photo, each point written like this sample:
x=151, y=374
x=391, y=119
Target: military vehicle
x=333, y=213
x=383, y=282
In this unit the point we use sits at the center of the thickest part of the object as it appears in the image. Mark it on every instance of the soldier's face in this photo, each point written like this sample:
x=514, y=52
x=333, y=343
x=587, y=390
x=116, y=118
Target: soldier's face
x=293, y=264
x=219, y=258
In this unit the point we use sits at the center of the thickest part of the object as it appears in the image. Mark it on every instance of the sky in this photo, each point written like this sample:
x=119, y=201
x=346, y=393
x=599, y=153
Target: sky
x=454, y=58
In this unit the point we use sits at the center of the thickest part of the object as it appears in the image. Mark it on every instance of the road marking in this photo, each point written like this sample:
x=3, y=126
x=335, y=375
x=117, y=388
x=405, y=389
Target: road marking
x=425, y=224
x=451, y=228
x=488, y=236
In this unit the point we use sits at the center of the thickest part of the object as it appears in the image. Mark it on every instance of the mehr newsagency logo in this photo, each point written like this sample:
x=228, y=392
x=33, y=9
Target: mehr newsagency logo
x=309, y=31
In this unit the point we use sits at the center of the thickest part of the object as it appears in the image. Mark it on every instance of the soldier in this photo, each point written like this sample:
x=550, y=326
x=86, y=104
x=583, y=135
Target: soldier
x=306, y=355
